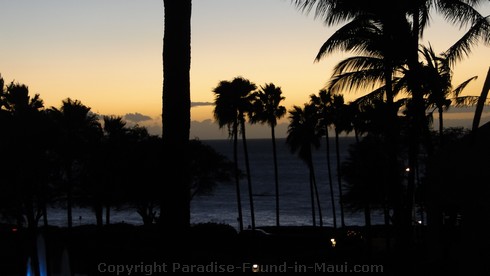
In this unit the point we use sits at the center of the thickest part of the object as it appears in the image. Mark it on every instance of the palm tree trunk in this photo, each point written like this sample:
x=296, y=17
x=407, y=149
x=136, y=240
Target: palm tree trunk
x=237, y=176
x=249, y=179
x=481, y=103
x=276, y=174
x=175, y=198
x=312, y=197
x=330, y=182
x=392, y=143
x=339, y=178
x=403, y=215
x=317, y=195
x=441, y=127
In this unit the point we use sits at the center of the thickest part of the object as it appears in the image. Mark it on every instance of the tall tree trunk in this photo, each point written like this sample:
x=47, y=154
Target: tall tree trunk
x=481, y=103
x=175, y=203
x=317, y=195
x=441, y=127
x=276, y=174
x=237, y=176
x=339, y=178
x=330, y=181
x=392, y=143
x=312, y=196
x=249, y=179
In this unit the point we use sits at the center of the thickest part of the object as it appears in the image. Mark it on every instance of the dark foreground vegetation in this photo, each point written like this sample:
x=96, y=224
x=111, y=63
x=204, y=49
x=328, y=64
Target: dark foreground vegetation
x=217, y=247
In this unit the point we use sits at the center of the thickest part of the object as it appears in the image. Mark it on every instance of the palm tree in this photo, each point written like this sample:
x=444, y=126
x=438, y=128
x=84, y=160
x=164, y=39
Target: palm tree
x=302, y=135
x=341, y=123
x=226, y=115
x=25, y=147
x=25, y=169
x=334, y=11
x=438, y=85
x=267, y=109
x=232, y=103
x=175, y=202
x=381, y=42
x=78, y=130
x=323, y=104
x=115, y=131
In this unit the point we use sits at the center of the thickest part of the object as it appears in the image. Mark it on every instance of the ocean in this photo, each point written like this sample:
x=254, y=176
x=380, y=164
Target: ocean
x=220, y=206
x=294, y=191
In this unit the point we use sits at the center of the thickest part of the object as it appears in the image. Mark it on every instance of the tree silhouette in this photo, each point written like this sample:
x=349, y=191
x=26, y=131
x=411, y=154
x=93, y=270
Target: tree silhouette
x=208, y=168
x=341, y=123
x=323, y=104
x=23, y=168
x=438, y=84
x=415, y=16
x=24, y=145
x=78, y=129
x=267, y=109
x=175, y=202
x=233, y=100
x=115, y=139
x=302, y=135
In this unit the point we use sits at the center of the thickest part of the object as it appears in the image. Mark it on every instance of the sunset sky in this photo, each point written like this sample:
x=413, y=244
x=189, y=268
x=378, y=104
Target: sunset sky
x=108, y=53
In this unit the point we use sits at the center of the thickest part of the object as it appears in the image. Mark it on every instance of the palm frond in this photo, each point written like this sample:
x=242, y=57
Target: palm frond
x=465, y=101
x=357, y=37
x=369, y=99
x=462, y=86
x=354, y=81
x=459, y=12
x=462, y=48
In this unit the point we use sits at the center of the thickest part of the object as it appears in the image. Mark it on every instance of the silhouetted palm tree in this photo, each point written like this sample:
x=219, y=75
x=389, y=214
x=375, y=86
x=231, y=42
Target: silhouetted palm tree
x=302, y=135
x=232, y=103
x=176, y=118
x=341, y=123
x=24, y=148
x=481, y=102
x=115, y=132
x=438, y=84
x=267, y=109
x=458, y=12
x=323, y=103
x=381, y=42
x=23, y=168
x=78, y=129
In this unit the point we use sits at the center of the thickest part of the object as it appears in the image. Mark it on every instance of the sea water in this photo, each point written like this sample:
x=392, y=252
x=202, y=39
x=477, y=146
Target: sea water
x=294, y=189
x=220, y=206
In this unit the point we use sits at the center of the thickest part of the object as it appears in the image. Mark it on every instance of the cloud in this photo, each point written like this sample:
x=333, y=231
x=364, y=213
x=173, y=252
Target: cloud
x=196, y=104
x=136, y=117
